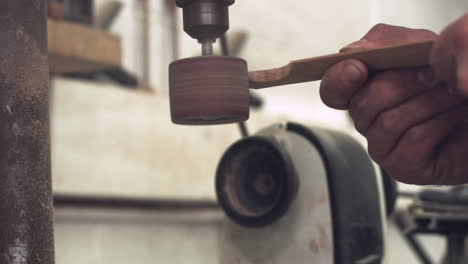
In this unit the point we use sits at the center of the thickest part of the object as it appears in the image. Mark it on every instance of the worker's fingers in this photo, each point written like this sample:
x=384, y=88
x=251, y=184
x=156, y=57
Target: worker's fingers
x=394, y=35
x=346, y=78
x=414, y=158
x=406, y=115
x=385, y=35
x=341, y=81
x=390, y=125
x=449, y=57
x=385, y=91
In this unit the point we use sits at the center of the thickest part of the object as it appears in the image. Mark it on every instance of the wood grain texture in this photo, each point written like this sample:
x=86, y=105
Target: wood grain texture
x=313, y=69
x=78, y=48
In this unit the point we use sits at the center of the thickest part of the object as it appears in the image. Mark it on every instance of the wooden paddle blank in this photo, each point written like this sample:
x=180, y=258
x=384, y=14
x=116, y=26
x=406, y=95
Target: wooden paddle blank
x=313, y=69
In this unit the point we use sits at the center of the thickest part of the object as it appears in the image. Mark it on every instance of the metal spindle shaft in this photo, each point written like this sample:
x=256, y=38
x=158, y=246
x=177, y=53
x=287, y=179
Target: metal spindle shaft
x=207, y=48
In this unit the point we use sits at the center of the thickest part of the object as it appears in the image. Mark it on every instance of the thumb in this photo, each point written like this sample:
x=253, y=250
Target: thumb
x=341, y=82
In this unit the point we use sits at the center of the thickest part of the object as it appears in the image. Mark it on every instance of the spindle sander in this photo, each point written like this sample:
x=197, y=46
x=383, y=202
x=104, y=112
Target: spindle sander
x=210, y=89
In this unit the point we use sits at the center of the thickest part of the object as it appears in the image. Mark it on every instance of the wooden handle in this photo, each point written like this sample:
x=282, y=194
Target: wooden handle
x=313, y=69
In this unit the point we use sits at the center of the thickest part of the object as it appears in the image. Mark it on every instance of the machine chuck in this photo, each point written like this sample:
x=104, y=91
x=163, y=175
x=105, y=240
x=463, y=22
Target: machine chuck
x=208, y=90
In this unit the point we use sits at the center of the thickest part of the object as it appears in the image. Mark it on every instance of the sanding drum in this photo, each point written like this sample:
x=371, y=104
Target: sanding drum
x=209, y=90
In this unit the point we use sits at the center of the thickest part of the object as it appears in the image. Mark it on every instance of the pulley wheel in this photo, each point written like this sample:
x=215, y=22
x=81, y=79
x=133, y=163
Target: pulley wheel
x=209, y=90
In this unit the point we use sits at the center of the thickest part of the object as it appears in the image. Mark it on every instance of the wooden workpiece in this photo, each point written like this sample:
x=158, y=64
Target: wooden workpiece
x=78, y=48
x=402, y=56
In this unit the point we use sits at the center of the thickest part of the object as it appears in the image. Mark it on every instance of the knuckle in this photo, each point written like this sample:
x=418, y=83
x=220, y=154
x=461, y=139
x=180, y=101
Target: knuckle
x=358, y=106
x=388, y=122
x=386, y=85
x=424, y=33
x=376, y=31
x=415, y=135
x=379, y=27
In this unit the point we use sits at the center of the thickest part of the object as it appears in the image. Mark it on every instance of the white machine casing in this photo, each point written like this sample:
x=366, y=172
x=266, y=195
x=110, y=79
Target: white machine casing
x=336, y=216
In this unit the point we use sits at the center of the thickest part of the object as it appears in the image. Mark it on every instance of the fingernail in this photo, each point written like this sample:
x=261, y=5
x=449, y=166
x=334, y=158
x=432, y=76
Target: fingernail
x=355, y=45
x=351, y=73
x=427, y=77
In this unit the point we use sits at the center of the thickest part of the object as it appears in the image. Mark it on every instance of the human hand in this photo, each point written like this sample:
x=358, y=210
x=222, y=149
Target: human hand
x=415, y=128
x=449, y=57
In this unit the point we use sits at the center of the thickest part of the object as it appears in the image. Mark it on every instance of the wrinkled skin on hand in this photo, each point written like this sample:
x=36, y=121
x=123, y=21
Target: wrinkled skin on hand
x=449, y=57
x=415, y=120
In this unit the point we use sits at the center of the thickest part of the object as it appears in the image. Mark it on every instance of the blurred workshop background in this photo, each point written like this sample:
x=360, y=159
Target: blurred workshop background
x=131, y=187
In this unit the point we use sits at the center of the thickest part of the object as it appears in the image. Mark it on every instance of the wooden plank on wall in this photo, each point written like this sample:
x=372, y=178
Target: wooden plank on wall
x=78, y=48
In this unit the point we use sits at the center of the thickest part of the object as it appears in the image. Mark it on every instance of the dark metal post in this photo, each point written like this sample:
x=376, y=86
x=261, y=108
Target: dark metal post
x=26, y=232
